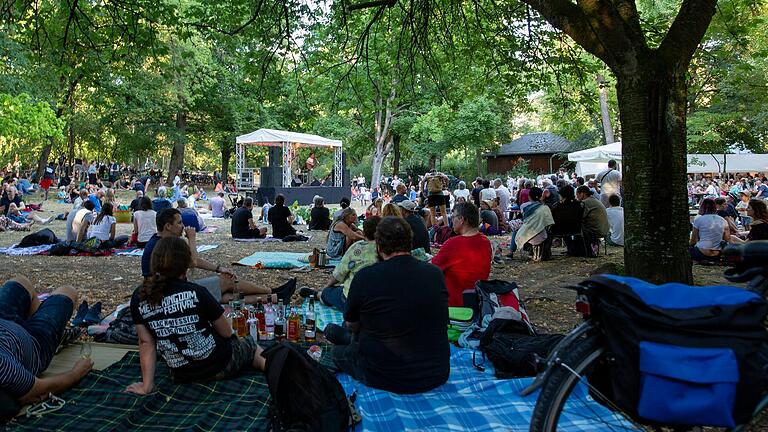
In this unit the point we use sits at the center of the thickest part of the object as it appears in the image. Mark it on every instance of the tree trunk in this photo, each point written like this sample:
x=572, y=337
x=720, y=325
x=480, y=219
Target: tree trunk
x=43, y=161
x=383, y=133
x=226, y=154
x=652, y=107
x=607, y=128
x=479, y=162
x=177, y=155
x=432, y=162
x=396, y=154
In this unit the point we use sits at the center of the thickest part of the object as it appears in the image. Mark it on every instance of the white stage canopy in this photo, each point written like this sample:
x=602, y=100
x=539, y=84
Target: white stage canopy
x=272, y=137
x=592, y=161
x=289, y=142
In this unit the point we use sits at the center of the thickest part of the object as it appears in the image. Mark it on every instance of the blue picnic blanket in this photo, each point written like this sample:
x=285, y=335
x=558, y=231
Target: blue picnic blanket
x=470, y=400
x=279, y=260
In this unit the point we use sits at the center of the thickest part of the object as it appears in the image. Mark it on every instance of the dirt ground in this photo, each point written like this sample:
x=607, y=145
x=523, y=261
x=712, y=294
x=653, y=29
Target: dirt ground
x=112, y=279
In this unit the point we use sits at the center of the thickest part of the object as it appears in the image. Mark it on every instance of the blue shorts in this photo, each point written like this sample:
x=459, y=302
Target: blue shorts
x=46, y=325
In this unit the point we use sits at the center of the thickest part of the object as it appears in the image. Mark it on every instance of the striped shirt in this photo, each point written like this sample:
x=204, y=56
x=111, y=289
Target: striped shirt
x=19, y=359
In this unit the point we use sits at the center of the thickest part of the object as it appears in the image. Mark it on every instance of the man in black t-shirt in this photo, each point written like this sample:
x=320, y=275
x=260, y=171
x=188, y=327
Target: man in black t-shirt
x=476, y=191
x=399, y=308
x=418, y=227
x=243, y=225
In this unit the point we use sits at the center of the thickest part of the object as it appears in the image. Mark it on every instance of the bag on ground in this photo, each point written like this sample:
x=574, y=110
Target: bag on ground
x=42, y=237
x=682, y=355
x=514, y=349
x=305, y=395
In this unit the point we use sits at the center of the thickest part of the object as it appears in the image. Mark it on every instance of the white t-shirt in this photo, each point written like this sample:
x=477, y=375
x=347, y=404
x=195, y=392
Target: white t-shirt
x=712, y=190
x=81, y=216
x=461, y=193
x=616, y=222
x=711, y=228
x=191, y=202
x=145, y=221
x=504, y=197
x=103, y=229
x=488, y=194
x=610, y=180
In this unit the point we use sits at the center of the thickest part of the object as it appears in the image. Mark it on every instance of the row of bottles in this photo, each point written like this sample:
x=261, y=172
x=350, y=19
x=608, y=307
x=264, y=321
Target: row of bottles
x=269, y=322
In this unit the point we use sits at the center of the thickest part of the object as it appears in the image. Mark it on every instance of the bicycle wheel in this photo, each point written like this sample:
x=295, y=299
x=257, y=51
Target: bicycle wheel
x=565, y=402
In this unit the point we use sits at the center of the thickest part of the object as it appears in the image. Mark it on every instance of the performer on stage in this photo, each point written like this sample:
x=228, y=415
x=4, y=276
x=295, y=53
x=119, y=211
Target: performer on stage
x=310, y=165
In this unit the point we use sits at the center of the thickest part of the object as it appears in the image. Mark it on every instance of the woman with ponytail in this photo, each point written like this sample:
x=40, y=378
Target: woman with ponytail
x=185, y=324
x=102, y=228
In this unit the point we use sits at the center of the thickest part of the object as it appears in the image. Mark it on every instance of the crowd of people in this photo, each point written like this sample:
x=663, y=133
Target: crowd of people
x=393, y=294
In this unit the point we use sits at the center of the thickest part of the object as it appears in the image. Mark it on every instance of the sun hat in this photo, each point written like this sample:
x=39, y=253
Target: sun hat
x=408, y=205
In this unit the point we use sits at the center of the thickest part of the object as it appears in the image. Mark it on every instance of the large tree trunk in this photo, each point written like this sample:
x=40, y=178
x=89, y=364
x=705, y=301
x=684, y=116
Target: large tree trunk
x=177, y=155
x=226, y=154
x=383, y=133
x=605, y=113
x=479, y=162
x=652, y=107
x=396, y=154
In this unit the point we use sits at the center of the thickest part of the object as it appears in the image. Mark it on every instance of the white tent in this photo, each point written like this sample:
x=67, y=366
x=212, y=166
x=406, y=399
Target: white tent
x=592, y=161
x=288, y=141
x=272, y=137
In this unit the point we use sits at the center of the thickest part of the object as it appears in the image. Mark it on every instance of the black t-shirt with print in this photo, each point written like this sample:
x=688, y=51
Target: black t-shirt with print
x=182, y=326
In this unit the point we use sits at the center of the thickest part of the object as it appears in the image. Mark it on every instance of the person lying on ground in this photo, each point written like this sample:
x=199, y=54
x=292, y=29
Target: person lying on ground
x=399, y=309
x=360, y=255
x=343, y=233
x=758, y=229
x=30, y=332
x=280, y=218
x=7, y=224
x=466, y=258
x=103, y=228
x=16, y=215
x=319, y=216
x=169, y=224
x=709, y=232
x=243, y=225
x=185, y=323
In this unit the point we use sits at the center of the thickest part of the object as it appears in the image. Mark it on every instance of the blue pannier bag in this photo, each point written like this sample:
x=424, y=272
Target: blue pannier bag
x=681, y=355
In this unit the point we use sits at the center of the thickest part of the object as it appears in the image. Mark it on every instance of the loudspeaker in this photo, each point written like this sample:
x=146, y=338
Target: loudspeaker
x=272, y=176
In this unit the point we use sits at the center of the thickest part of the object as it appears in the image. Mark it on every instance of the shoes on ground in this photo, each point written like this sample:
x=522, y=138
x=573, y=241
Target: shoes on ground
x=307, y=291
x=82, y=311
x=94, y=314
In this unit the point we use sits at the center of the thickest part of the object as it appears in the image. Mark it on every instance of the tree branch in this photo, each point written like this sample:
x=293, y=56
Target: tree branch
x=371, y=4
x=685, y=33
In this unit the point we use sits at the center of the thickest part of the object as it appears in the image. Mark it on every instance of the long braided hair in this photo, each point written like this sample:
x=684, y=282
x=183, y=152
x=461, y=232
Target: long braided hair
x=170, y=260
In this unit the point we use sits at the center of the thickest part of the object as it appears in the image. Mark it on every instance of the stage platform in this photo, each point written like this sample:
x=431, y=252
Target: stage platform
x=302, y=194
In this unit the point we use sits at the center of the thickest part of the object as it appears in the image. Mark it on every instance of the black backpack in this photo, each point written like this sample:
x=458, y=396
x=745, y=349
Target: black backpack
x=42, y=237
x=305, y=395
x=513, y=349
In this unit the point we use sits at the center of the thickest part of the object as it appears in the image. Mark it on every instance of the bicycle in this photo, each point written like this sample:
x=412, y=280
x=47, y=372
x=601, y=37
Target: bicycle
x=572, y=375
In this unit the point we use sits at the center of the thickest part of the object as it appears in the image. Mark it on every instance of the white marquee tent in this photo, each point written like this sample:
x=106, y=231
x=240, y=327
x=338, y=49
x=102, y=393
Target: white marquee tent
x=288, y=141
x=593, y=160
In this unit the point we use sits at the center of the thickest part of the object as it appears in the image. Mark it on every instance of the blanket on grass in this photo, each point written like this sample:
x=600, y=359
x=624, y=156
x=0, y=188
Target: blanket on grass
x=279, y=260
x=98, y=403
x=32, y=250
x=140, y=251
x=324, y=314
x=210, y=229
x=470, y=401
x=266, y=239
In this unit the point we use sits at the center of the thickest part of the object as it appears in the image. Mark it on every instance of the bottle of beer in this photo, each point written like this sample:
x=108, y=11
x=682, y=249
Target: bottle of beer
x=293, y=326
x=280, y=321
x=253, y=324
x=260, y=317
x=269, y=320
x=309, y=321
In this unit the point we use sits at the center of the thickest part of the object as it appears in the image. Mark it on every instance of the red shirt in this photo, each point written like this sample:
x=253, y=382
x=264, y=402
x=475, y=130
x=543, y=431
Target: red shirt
x=464, y=261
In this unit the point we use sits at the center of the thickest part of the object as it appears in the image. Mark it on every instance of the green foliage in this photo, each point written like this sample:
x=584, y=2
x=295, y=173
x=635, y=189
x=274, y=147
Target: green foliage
x=25, y=125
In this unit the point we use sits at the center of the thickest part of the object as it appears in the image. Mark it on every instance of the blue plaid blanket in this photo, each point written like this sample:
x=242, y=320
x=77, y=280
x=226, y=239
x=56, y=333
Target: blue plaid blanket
x=470, y=400
x=279, y=260
x=325, y=314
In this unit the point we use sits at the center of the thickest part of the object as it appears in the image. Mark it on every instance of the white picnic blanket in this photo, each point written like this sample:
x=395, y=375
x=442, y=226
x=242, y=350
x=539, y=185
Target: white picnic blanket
x=139, y=251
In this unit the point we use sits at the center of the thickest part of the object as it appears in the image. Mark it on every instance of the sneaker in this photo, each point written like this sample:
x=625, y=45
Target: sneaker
x=82, y=311
x=94, y=314
x=71, y=335
x=285, y=292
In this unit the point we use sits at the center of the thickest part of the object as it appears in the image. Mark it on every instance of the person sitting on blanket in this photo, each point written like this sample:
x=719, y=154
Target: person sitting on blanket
x=185, y=323
x=217, y=205
x=360, y=255
x=343, y=233
x=280, y=218
x=399, y=310
x=30, y=332
x=169, y=224
x=80, y=217
x=103, y=228
x=161, y=201
x=319, y=216
x=465, y=258
x=537, y=217
x=144, y=226
x=243, y=224
x=189, y=216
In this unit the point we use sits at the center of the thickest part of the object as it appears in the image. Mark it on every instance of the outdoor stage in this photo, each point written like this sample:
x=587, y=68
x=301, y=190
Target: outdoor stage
x=302, y=194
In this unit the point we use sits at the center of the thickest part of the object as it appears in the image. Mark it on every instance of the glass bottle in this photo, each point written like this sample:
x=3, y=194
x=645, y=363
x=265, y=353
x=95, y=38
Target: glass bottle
x=260, y=317
x=280, y=321
x=269, y=320
x=293, y=325
x=229, y=315
x=239, y=325
x=309, y=321
x=253, y=324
